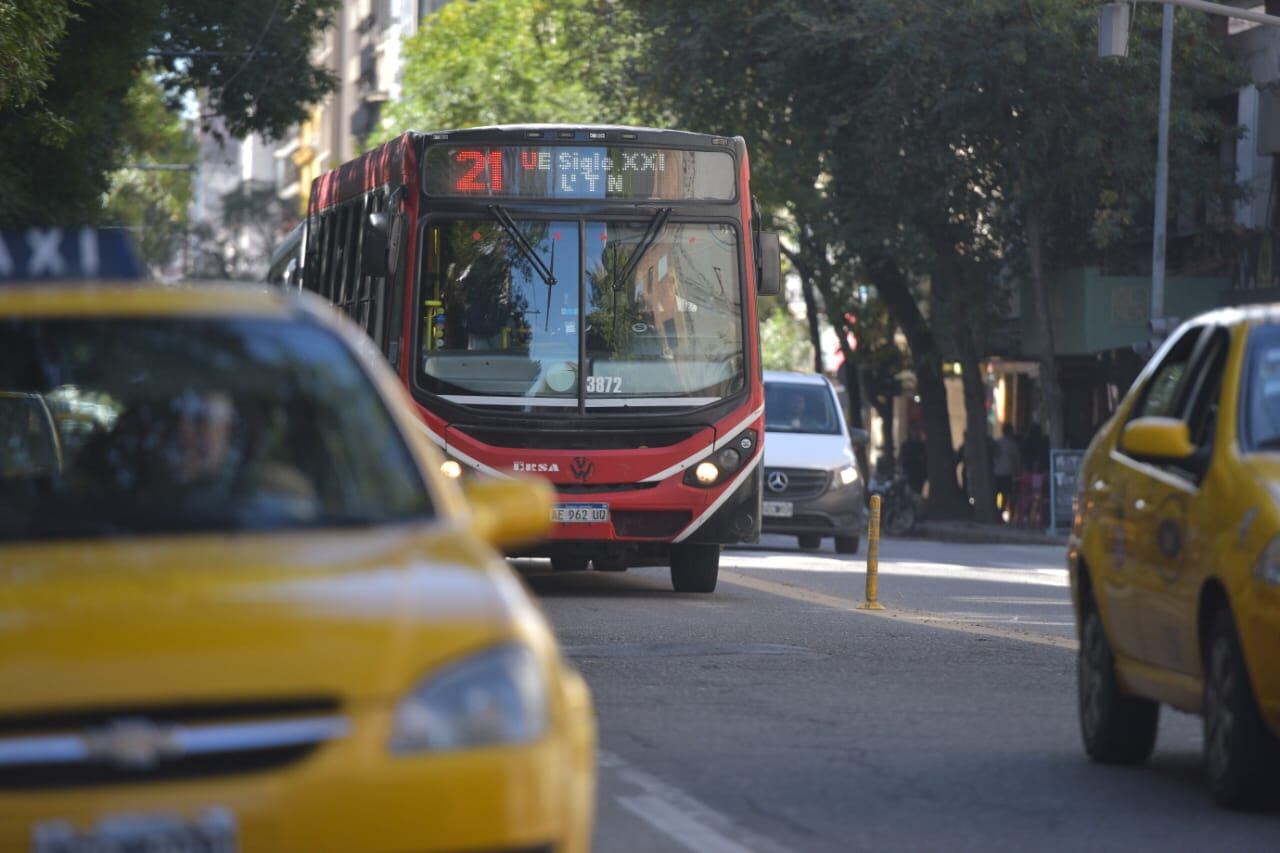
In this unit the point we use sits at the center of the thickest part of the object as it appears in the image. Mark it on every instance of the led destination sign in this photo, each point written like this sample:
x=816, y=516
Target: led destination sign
x=563, y=171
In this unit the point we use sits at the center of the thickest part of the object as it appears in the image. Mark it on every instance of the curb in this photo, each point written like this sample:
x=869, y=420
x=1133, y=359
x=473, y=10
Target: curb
x=974, y=534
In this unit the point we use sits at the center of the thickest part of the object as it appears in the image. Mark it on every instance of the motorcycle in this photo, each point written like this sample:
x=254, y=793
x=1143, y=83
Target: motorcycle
x=900, y=506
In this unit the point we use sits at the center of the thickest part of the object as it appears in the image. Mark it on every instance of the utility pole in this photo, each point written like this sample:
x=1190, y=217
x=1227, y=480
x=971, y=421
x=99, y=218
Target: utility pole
x=1113, y=40
x=1159, y=237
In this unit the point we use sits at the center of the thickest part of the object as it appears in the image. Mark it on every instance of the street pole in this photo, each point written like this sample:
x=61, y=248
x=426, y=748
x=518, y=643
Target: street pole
x=1159, y=238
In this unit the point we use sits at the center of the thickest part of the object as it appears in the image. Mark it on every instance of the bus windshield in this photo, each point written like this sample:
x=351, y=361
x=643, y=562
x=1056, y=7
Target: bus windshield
x=662, y=328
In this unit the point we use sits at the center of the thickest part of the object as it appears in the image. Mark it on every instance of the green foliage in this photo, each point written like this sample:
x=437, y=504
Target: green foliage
x=154, y=202
x=784, y=342
x=29, y=33
x=251, y=60
x=510, y=61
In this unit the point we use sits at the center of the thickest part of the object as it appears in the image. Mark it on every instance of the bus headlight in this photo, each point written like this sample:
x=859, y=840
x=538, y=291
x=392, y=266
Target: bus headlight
x=723, y=462
x=496, y=697
x=847, y=476
x=451, y=469
x=706, y=473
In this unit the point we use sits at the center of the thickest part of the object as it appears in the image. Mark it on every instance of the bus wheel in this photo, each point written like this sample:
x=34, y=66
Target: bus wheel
x=694, y=568
x=568, y=563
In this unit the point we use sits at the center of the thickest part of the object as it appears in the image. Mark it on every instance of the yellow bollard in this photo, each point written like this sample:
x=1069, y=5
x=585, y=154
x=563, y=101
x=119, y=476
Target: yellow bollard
x=873, y=558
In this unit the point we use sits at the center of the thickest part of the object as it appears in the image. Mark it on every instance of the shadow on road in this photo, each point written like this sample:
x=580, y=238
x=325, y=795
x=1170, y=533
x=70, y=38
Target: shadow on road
x=548, y=584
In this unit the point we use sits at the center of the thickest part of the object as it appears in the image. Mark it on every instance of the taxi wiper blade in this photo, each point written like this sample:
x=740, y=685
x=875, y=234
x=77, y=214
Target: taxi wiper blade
x=656, y=224
x=530, y=254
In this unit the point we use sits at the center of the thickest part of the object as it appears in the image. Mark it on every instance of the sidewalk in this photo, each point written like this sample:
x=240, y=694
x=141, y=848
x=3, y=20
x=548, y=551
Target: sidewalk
x=988, y=534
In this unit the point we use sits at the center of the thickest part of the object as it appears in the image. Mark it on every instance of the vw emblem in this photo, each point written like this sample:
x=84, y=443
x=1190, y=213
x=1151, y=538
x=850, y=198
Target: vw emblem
x=777, y=481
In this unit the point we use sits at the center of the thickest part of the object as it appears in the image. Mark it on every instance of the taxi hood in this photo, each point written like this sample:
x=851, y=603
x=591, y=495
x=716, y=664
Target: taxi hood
x=335, y=615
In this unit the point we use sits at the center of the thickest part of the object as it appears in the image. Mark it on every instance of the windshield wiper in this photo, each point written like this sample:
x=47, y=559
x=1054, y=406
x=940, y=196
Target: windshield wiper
x=656, y=224
x=530, y=254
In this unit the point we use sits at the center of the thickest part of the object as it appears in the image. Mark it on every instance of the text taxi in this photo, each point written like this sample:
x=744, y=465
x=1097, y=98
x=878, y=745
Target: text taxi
x=1175, y=555
x=240, y=608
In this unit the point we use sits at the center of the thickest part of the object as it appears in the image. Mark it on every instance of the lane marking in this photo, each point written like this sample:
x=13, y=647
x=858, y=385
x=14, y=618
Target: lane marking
x=903, y=568
x=914, y=617
x=678, y=816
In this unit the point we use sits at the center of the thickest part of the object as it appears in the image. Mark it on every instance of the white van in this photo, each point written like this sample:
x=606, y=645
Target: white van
x=812, y=486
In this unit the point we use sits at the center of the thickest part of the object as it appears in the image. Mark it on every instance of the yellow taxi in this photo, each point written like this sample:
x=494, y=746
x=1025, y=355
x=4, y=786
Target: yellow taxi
x=241, y=609
x=1175, y=556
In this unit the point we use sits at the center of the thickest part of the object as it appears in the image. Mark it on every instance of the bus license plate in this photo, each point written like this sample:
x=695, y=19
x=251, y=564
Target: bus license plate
x=777, y=509
x=580, y=513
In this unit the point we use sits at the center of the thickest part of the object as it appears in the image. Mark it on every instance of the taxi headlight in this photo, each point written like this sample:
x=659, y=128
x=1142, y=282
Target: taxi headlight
x=847, y=476
x=1268, y=568
x=496, y=697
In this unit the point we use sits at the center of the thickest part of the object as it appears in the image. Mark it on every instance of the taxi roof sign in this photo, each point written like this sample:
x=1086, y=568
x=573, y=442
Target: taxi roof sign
x=36, y=254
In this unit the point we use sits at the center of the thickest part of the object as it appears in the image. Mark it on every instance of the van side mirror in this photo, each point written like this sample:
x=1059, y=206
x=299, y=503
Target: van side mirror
x=373, y=249
x=859, y=436
x=769, y=250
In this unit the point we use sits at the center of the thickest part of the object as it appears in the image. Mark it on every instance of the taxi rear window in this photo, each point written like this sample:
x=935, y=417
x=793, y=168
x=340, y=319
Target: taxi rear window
x=123, y=426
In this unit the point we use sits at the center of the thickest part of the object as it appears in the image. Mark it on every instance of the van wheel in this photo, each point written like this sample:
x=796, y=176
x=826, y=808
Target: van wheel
x=1241, y=757
x=1117, y=729
x=695, y=568
x=809, y=541
x=568, y=563
x=847, y=544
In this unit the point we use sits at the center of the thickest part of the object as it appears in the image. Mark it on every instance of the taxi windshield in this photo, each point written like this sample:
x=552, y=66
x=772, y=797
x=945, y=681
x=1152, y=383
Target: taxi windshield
x=136, y=425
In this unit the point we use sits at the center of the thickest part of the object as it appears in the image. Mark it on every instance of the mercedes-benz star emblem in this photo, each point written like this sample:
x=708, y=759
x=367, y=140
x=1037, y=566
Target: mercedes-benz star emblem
x=777, y=481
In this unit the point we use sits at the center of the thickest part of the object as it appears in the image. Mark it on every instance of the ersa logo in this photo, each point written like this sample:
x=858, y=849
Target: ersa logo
x=66, y=253
x=536, y=467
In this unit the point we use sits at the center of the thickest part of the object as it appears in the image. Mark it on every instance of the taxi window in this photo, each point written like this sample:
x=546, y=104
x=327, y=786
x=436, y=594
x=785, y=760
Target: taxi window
x=1162, y=394
x=130, y=426
x=1260, y=400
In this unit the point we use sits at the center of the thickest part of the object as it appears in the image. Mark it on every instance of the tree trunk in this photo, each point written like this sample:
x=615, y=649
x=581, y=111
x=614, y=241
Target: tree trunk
x=853, y=386
x=945, y=498
x=1051, y=390
x=811, y=310
x=977, y=448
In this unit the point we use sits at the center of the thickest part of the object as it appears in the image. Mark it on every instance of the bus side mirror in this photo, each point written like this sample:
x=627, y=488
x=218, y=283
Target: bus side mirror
x=770, y=254
x=373, y=251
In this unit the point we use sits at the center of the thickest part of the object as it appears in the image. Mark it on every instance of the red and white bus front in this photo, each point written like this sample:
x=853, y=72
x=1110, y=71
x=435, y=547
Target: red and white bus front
x=585, y=310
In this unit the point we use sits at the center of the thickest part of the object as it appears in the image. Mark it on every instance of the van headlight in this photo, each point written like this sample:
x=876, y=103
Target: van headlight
x=495, y=698
x=846, y=476
x=1268, y=568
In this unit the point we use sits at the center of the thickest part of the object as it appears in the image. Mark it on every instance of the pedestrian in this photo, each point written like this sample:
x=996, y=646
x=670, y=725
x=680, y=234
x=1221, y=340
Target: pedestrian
x=1005, y=465
x=1035, y=451
x=915, y=460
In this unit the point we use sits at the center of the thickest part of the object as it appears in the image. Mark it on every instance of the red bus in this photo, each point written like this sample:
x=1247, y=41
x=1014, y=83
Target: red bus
x=573, y=301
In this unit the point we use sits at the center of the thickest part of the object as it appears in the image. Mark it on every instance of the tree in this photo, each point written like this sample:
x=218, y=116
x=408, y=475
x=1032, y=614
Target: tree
x=29, y=34
x=505, y=62
x=153, y=202
x=252, y=61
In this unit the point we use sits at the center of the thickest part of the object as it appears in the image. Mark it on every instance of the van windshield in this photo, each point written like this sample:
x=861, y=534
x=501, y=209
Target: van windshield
x=802, y=408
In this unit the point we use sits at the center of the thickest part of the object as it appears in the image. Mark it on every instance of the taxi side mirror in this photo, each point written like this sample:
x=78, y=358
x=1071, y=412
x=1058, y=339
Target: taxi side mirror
x=510, y=511
x=1157, y=439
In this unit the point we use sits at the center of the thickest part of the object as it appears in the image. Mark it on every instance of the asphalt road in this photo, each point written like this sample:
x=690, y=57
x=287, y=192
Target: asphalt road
x=773, y=715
